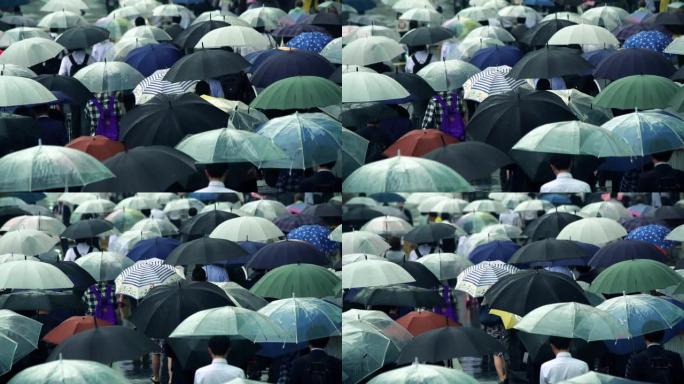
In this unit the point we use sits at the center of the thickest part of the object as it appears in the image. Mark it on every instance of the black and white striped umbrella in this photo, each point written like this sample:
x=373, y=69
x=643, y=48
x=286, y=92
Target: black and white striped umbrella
x=155, y=84
x=136, y=280
x=491, y=81
x=477, y=279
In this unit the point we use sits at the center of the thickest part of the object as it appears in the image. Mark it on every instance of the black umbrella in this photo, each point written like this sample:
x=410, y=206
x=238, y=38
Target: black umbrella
x=153, y=168
x=285, y=252
x=424, y=277
x=624, y=249
x=399, y=295
x=426, y=36
x=501, y=120
x=329, y=212
x=524, y=291
x=536, y=165
x=356, y=217
x=167, y=119
x=414, y=84
x=17, y=132
x=82, y=37
x=326, y=19
x=548, y=225
x=205, y=250
x=67, y=85
x=633, y=61
x=549, y=62
x=290, y=63
x=206, y=64
x=471, y=159
x=194, y=33
x=360, y=117
x=448, y=342
x=549, y=250
x=336, y=76
x=104, y=345
x=166, y=306
x=673, y=21
x=79, y=276
x=540, y=34
x=679, y=75
x=41, y=300
x=205, y=223
x=8, y=212
x=430, y=233
x=86, y=229
x=672, y=216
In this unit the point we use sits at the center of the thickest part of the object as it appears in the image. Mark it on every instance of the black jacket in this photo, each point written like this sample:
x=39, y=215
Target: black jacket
x=662, y=178
x=655, y=365
x=299, y=371
x=322, y=181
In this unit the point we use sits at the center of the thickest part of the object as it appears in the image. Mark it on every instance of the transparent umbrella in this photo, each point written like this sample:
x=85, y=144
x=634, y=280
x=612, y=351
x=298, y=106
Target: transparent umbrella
x=16, y=91
x=104, y=266
x=61, y=20
x=109, y=77
x=643, y=313
x=304, y=318
x=247, y=229
x=69, y=371
x=29, y=242
x=423, y=374
x=17, y=34
x=648, y=132
x=28, y=274
x=447, y=75
x=364, y=350
x=21, y=330
x=363, y=242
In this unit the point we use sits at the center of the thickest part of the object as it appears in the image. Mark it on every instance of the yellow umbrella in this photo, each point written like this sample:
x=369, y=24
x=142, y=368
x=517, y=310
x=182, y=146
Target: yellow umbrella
x=509, y=319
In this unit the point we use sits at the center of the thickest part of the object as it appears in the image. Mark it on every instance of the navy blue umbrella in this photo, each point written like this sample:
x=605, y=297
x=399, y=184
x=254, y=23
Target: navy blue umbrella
x=494, y=250
x=257, y=58
x=286, y=252
x=284, y=64
x=158, y=247
x=290, y=31
x=541, y=252
x=387, y=197
x=496, y=56
x=622, y=250
x=633, y=61
x=151, y=58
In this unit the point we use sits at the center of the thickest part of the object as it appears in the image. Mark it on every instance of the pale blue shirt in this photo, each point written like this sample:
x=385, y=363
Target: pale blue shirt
x=216, y=274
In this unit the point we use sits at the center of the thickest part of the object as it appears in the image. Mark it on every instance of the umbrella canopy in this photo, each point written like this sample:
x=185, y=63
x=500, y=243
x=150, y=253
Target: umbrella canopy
x=584, y=34
x=148, y=32
x=137, y=280
x=643, y=313
x=540, y=34
x=445, y=266
x=72, y=326
x=205, y=65
x=400, y=295
x=419, y=322
x=205, y=223
x=430, y=233
x=230, y=145
x=124, y=218
x=107, y=77
x=363, y=242
x=364, y=87
x=491, y=81
x=99, y=147
x=655, y=41
x=477, y=279
x=364, y=350
x=241, y=297
x=61, y=20
x=104, y=266
x=18, y=91
x=190, y=36
x=633, y=61
x=373, y=273
x=498, y=250
x=496, y=56
x=76, y=92
x=162, y=226
x=426, y=36
x=28, y=242
x=233, y=36
x=298, y=92
x=35, y=300
x=72, y=371
x=448, y=342
x=310, y=41
x=423, y=374
x=387, y=225
x=549, y=225
x=304, y=318
x=471, y=159
x=597, y=378
x=286, y=252
x=247, y=229
x=18, y=332
x=419, y=142
x=289, y=63
x=31, y=51
x=297, y=280
x=82, y=37
x=17, y=34
x=156, y=248
x=593, y=230
x=639, y=275
x=46, y=224
x=122, y=343
x=638, y=91
x=205, y=251
x=550, y=62
x=86, y=229
x=150, y=58
x=447, y=75
x=623, y=250
x=648, y=132
x=541, y=252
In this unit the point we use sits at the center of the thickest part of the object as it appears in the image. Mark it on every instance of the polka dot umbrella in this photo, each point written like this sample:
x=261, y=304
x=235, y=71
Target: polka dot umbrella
x=653, y=40
x=316, y=235
x=311, y=41
x=654, y=234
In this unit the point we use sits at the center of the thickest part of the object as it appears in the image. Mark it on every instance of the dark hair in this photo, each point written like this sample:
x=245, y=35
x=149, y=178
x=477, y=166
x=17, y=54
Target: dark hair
x=328, y=165
x=202, y=88
x=662, y=156
x=219, y=345
x=654, y=337
x=561, y=161
x=192, y=212
x=299, y=3
x=139, y=21
x=543, y=85
x=216, y=170
x=198, y=274
x=319, y=343
x=395, y=243
x=176, y=19
x=559, y=342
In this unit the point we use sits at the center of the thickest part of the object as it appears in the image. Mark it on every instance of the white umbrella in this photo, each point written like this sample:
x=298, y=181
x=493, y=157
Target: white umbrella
x=266, y=17
x=453, y=206
x=445, y=266
x=405, y=5
x=61, y=20
x=64, y=5
x=31, y=51
x=234, y=36
x=46, y=224
x=610, y=209
x=28, y=274
x=148, y=32
x=423, y=15
x=333, y=51
x=104, y=266
x=569, y=16
x=484, y=206
x=447, y=75
x=162, y=226
x=16, y=70
x=387, y=225
x=171, y=10
x=362, y=87
x=516, y=11
x=676, y=47
x=584, y=34
x=17, y=91
x=137, y=202
x=605, y=16
x=14, y=35
x=355, y=257
x=268, y=209
x=488, y=31
x=371, y=30
x=29, y=242
x=374, y=273
x=127, y=12
x=109, y=77
x=97, y=206
x=594, y=230
x=371, y=50
x=533, y=205
x=76, y=198
x=247, y=229
x=478, y=13
x=363, y=242
x=182, y=206
x=128, y=239
x=219, y=15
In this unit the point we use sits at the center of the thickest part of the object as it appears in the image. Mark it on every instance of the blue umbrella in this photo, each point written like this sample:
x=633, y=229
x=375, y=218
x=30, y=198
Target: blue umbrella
x=623, y=250
x=654, y=234
x=251, y=247
x=539, y=3
x=151, y=58
x=316, y=235
x=157, y=248
x=628, y=30
x=305, y=318
x=310, y=41
x=633, y=61
x=275, y=255
x=556, y=198
x=284, y=64
x=653, y=40
x=387, y=197
x=496, y=56
x=494, y=250
x=595, y=57
x=361, y=5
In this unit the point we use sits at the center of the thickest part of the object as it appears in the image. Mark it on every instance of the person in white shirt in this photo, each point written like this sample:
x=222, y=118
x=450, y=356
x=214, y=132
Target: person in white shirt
x=423, y=250
x=564, y=366
x=78, y=57
x=216, y=173
x=422, y=57
x=564, y=183
x=219, y=371
x=81, y=248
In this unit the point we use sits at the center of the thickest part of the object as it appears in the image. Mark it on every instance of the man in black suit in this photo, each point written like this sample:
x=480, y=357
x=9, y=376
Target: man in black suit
x=324, y=180
x=316, y=367
x=662, y=178
x=655, y=364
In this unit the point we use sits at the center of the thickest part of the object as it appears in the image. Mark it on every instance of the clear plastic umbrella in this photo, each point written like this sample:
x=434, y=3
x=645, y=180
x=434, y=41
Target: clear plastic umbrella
x=643, y=313
x=242, y=297
x=17, y=91
x=138, y=202
x=423, y=374
x=69, y=371
x=46, y=224
x=445, y=266
x=31, y=51
x=230, y=145
x=163, y=226
x=61, y=20
x=364, y=350
x=124, y=46
x=94, y=206
x=447, y=75
x=611, y=209
x=104, y=266
x=16, y=70
x=247, y=229
x=363, y=242
x=379, y=321
x=17, y=34
x=64, y=5
x=305, y=319
x=387, y=225
x=594, y=230
x=268, y=209
x=371, y=50
x=21, y=330
x=233, y=36
x=124, y=218
x=365, y=87
x=109, y=77
x=648, y=132
x=374, y=273
x=29, y=274
x=266, y=17
x=333, y=51
x=147, y=32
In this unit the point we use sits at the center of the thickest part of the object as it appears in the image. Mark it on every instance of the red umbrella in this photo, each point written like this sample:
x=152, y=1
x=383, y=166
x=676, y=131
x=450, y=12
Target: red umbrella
x=419, y=142
x=98, y=146
x=418, y=322
x=72, y=326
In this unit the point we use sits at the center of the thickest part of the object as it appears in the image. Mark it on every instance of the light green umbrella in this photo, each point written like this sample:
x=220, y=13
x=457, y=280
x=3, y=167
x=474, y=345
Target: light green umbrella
x=305, y=319
x=445, y=266
x=423, y=374
x=582, y=105
x=447, y=75
x=8, y=348
x=61, y=20
x=27, y=242
x=96, y=206
x=76, y=198
x=298, y=92
x=364, y=350
x=16, y=70
x=593, y=230
x=611, y=209
x=48, y=167
x=584, y=34
x=233, y=36
x=104, y=266
x=648, y=132
x=363, y=242
x=64, y=5
x=229, y=145
x=574, y=138
x=266, y=17
x=268, y=209
x=117, y=27
x=370, y=50
x=374, y=273
x=109, y=77
x=17, y=91
x=247, y=229
x=147, y=32
x=162, y=226
x=638, y=275
x=47, y=224
x=230, y=321
x=405, y=174
x=297, y=280
x=638, y=311
x=28, y=274
x=592, y=377
x=363, y=87
x=14, y=35
x=22, y=330
x=124, y=46
x=241, y=297
x=69, y=371
x=638, y=91
x=333, y=51
x=572, y=320
x=138, y=202
x=484, y=206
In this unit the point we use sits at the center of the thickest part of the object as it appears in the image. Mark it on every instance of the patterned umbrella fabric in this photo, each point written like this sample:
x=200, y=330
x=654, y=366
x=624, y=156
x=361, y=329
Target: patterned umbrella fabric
x=654, y=234
x=316, y=235
x=477, y=279
x=653, y=40
x=310, y=41
x=138, y=279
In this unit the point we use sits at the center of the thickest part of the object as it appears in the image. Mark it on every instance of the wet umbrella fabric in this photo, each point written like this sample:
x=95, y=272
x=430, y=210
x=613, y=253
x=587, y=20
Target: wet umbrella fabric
x=156, y=248
x=633, y=61
x=547, y=63
x=540, y=34
x=426, y=36
x=449, y=342
x=549, y=225
x=284, y=64
x=122, y=343
x=399, y=295
x=99, y=147
x=191, y=35
x=41, y=300
x=622, y=250
x=471, y=159
x=150, y=58
x=82, y=37
x=79, y=276
x=86, y=229
x=78, y=94
x=206, y=64
x=205, y=223
x=72, y=326
x=286, y=252
x=496, y=56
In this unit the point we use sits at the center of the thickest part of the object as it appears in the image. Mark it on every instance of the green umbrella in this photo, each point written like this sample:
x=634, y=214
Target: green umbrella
x=582, y=105
x=638, y=91
x=365, y=87
x=573, y=321
x=448, y=75
x=31, y=51
x=22, y=330
x=374, y=273
x=298, y=92
x=405, y=174
x=598, y=378
x=8, y=348
x=17, y=91
x=29, y=242
x=104, y=266
x=229, y=145
x=247, y=229
x=593, y=230
x=639, y=275
x=363, y=242
x=371, y=50
x=124, y=219
x=423, y=374
x=574, y=138
x=364, y=350
x=69, y=371
x=445, y=266
x=28, y=274
x=298, y=280
x=109, y=77
x=230, y=321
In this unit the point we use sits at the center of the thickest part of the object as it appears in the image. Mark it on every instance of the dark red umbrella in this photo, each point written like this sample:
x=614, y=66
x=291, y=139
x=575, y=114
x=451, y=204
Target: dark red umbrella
x=419, y=142
x=418, y=322
x=98, y=146
x=72, y=326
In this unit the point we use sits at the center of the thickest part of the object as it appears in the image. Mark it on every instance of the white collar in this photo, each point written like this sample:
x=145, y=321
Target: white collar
x=219, y=360
x=216, y=183
x=563, y=354
x=564, y=175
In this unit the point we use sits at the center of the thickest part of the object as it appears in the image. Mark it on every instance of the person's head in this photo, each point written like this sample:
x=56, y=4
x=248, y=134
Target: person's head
x=559, y=344
x=139, y=21
x=328, y=166
x=560, y=163
x=394, y=243
x=202, y=88
x=299, y=4
x=653, y=337
x=219, y=346
x=318, y=343
x=445, y=216
x=216, y=171
x=198, y=274
x=192, y=212
x=543, y=85
x=661, y=157
x=176, y=19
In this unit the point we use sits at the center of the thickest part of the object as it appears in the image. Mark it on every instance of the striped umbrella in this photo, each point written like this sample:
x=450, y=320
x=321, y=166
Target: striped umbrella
x=477, y=279
x=138, y=279
x=491, y=81
x=154, y=85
